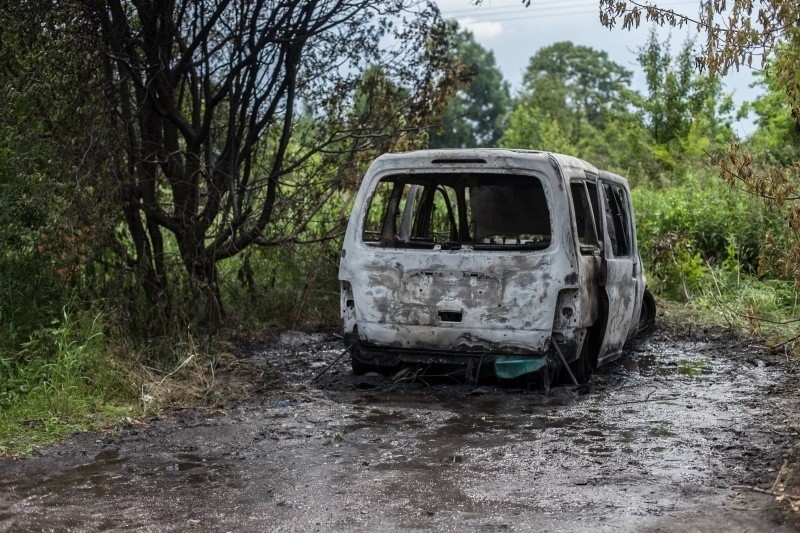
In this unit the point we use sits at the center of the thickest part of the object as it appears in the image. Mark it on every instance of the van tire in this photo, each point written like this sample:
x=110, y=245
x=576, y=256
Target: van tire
x=648, y=315
x=363, y=367
x=547, y=378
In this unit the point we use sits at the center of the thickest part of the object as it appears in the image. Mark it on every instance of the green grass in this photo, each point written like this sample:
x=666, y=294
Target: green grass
x=63, y=380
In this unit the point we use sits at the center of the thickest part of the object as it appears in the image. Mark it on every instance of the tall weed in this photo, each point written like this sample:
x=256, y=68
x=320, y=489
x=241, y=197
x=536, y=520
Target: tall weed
x=703, y=243
x=763, y=307
x=62, y=379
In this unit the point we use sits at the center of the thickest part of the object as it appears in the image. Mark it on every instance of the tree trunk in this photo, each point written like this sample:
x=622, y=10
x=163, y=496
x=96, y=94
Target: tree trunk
x=202, y=269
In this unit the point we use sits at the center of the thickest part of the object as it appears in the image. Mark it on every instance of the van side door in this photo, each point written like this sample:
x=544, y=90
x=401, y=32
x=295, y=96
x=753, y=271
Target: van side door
x=620, y=266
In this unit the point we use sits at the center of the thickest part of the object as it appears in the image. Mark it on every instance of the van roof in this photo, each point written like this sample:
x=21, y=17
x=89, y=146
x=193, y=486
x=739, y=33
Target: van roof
x=479, y=156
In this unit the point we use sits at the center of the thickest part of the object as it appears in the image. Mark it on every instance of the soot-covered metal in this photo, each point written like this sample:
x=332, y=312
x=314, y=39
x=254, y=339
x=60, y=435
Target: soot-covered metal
x=524, y=260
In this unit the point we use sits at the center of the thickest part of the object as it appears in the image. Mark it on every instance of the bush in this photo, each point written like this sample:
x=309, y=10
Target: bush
x=698, y=224
x=291, y=286
x=61, y=380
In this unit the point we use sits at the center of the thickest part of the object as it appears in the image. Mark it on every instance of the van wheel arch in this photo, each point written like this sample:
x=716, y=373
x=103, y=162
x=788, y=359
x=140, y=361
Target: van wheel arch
x=584, y=366
x=647, y=317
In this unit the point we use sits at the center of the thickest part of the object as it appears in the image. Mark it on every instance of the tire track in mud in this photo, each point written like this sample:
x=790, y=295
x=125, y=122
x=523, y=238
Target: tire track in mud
x=654, y=444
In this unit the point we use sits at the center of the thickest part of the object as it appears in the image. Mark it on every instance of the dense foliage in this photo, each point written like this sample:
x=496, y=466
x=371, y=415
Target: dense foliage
x=145, y=147
x=476, y=115
x=761, y=33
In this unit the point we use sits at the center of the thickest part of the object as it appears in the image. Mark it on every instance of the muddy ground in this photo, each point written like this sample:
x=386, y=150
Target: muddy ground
x=665, y=439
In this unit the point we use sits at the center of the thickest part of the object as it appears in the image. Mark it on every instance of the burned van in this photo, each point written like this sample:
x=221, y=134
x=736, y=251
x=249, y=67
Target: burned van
x=518, y=261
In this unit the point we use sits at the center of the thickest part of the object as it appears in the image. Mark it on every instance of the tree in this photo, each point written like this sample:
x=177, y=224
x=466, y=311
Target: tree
x=205, y=150
x=579, y=78
x=50, y=221
x=670, y=106
x=776, y=137
x=476, y=115
x=678, y=98
x=576, y=100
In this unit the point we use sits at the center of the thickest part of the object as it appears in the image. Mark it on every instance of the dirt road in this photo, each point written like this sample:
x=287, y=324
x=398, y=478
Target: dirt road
x=659, y=442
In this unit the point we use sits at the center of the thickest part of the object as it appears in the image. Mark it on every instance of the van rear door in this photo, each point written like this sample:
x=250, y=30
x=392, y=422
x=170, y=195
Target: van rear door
x=454, y=260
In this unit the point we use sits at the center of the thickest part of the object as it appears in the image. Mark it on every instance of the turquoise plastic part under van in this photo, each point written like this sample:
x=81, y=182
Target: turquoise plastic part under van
x=512, y=366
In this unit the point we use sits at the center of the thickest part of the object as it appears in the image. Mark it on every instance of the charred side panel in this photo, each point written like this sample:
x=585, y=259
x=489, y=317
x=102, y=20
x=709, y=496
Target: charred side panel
x=621, y=275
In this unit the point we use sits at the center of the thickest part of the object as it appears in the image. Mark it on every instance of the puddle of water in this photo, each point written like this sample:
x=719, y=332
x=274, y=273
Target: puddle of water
x=660, y=432
x=662, y=365
x=694, y=368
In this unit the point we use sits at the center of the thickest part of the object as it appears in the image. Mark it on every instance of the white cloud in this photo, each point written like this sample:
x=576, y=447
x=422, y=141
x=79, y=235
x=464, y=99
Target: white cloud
x=481, y=30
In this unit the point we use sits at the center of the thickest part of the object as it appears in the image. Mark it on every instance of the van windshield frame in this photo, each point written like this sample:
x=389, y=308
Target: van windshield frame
x=448, y=211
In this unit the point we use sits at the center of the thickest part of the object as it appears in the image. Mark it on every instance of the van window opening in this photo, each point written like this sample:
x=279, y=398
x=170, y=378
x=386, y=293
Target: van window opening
x=450, y=211
x=584, y=218
x=618, y=221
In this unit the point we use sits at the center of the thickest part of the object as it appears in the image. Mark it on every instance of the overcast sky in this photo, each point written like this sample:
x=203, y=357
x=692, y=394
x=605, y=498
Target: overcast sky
x=514, y=33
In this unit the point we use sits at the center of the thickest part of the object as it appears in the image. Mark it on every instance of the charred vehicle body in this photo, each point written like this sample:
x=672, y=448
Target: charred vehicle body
x=519, y=261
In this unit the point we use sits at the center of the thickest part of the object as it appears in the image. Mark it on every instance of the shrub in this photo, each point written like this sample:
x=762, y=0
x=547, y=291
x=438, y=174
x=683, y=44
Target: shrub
x=697, y=224
x=61, y=380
